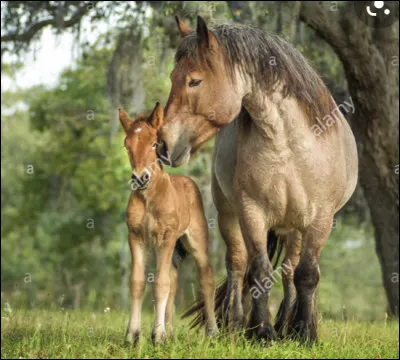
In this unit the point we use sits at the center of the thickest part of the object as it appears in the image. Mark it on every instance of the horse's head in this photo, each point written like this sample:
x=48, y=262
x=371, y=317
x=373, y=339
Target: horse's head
x=202, y=97
x=141, y=143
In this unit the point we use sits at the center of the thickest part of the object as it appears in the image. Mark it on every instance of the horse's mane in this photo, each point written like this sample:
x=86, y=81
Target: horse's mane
x=269, y=60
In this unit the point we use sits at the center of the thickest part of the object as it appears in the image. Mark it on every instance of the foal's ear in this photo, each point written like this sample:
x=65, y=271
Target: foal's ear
x=157, y=117
x=125, y=120
x=205, y=37
x=183, y=28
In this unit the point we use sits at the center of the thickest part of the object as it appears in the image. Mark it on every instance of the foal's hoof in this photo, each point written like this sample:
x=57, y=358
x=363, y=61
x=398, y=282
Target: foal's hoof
x=158, y=337
x=132, y=338
x=265, y=333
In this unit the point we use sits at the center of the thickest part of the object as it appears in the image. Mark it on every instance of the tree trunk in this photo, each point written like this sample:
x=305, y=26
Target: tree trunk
x=125, y=77
x=294, y=22
x=366, y=54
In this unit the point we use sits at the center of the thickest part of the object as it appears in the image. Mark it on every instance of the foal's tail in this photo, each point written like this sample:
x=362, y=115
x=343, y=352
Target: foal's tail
x=274, y=249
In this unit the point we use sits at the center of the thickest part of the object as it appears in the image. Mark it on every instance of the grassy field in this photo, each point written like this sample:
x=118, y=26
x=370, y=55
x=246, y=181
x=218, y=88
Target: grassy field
x=75, y=334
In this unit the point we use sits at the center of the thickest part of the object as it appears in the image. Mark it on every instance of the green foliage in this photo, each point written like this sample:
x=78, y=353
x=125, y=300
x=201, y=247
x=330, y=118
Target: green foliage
x=72, y=180
x=79, y=334
x=351, y=285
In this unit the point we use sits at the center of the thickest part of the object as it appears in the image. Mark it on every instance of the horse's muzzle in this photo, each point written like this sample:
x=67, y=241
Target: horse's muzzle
x=180, y=156
x=162, y=150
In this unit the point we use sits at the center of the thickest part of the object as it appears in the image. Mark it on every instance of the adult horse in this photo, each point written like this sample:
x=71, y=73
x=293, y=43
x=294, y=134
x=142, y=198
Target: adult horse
x=285, y=159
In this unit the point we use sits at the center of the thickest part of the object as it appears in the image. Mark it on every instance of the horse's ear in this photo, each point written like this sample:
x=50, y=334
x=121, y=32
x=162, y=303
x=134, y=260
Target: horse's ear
x=205, y=37
x=125, y=120
x=157, y=117
x=183, y=28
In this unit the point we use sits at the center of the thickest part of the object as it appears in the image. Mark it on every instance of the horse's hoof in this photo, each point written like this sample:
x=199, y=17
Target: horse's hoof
x=158, y=337
x=264, y=333
x=306, y=335
x=280, y=332
x=132, y=338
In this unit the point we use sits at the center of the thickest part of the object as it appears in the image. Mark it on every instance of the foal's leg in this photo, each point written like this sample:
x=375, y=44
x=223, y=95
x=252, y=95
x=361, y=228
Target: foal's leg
x=292, y=243
x=236, y=264
x=303, y=322
x=162, y=286
x=137, y=284
x=254, y=228
x=196, y=241
x=173, y=276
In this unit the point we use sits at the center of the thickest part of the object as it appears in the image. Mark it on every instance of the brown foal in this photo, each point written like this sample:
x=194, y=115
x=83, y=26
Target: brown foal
x=161, y=210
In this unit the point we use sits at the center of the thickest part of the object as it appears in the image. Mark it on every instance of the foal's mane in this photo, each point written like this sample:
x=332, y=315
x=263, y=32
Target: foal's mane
x=269, y=60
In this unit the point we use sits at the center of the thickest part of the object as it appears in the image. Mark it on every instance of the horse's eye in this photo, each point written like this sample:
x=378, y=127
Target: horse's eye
x=154, y=146
x=194, y=83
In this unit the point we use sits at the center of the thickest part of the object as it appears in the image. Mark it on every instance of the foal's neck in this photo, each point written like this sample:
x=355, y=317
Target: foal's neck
x=158, y=183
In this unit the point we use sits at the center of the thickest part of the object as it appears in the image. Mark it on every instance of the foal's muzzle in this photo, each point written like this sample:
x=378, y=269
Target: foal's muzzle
x=140, y=182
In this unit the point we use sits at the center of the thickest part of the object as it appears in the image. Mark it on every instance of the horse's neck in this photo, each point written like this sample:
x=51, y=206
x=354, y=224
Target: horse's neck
x=264, y=109
x=275, y=117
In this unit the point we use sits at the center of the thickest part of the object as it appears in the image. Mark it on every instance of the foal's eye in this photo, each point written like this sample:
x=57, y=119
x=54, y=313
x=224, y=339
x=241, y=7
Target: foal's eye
x=194, y=83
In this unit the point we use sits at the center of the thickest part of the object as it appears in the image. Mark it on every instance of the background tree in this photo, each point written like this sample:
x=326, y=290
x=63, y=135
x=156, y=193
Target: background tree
x=370, y=59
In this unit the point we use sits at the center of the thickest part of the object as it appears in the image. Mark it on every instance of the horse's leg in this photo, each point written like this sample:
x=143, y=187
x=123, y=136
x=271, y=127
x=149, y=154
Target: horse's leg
x=254, y=228
x=236, y=263
x=236, y=258
x=196, y=241
x=292, y=243
x=137, y=286
x=173, y=276
x=162, y=285
x=303, y=321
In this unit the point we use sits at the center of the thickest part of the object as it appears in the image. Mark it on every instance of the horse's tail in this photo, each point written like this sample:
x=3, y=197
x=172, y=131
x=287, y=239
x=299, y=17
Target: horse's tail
x=180, y=253
x=274, y=248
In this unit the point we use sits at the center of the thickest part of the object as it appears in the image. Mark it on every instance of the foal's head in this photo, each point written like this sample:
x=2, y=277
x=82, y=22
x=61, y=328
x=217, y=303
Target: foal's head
x=202, y=97
x=141, y=143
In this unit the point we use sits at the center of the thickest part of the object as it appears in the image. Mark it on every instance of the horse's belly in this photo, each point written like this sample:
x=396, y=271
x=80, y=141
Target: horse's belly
x=279, y=193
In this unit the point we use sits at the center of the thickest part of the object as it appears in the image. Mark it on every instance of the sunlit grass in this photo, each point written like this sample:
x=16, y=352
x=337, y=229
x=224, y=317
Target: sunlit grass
x=77, y=334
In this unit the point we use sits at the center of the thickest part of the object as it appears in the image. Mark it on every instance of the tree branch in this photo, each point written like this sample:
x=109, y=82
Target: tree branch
x=34, y=29
x=351, y=39
x=324, y=20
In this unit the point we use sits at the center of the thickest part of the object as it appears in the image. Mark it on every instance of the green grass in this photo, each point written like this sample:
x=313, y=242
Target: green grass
x=77, y=334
